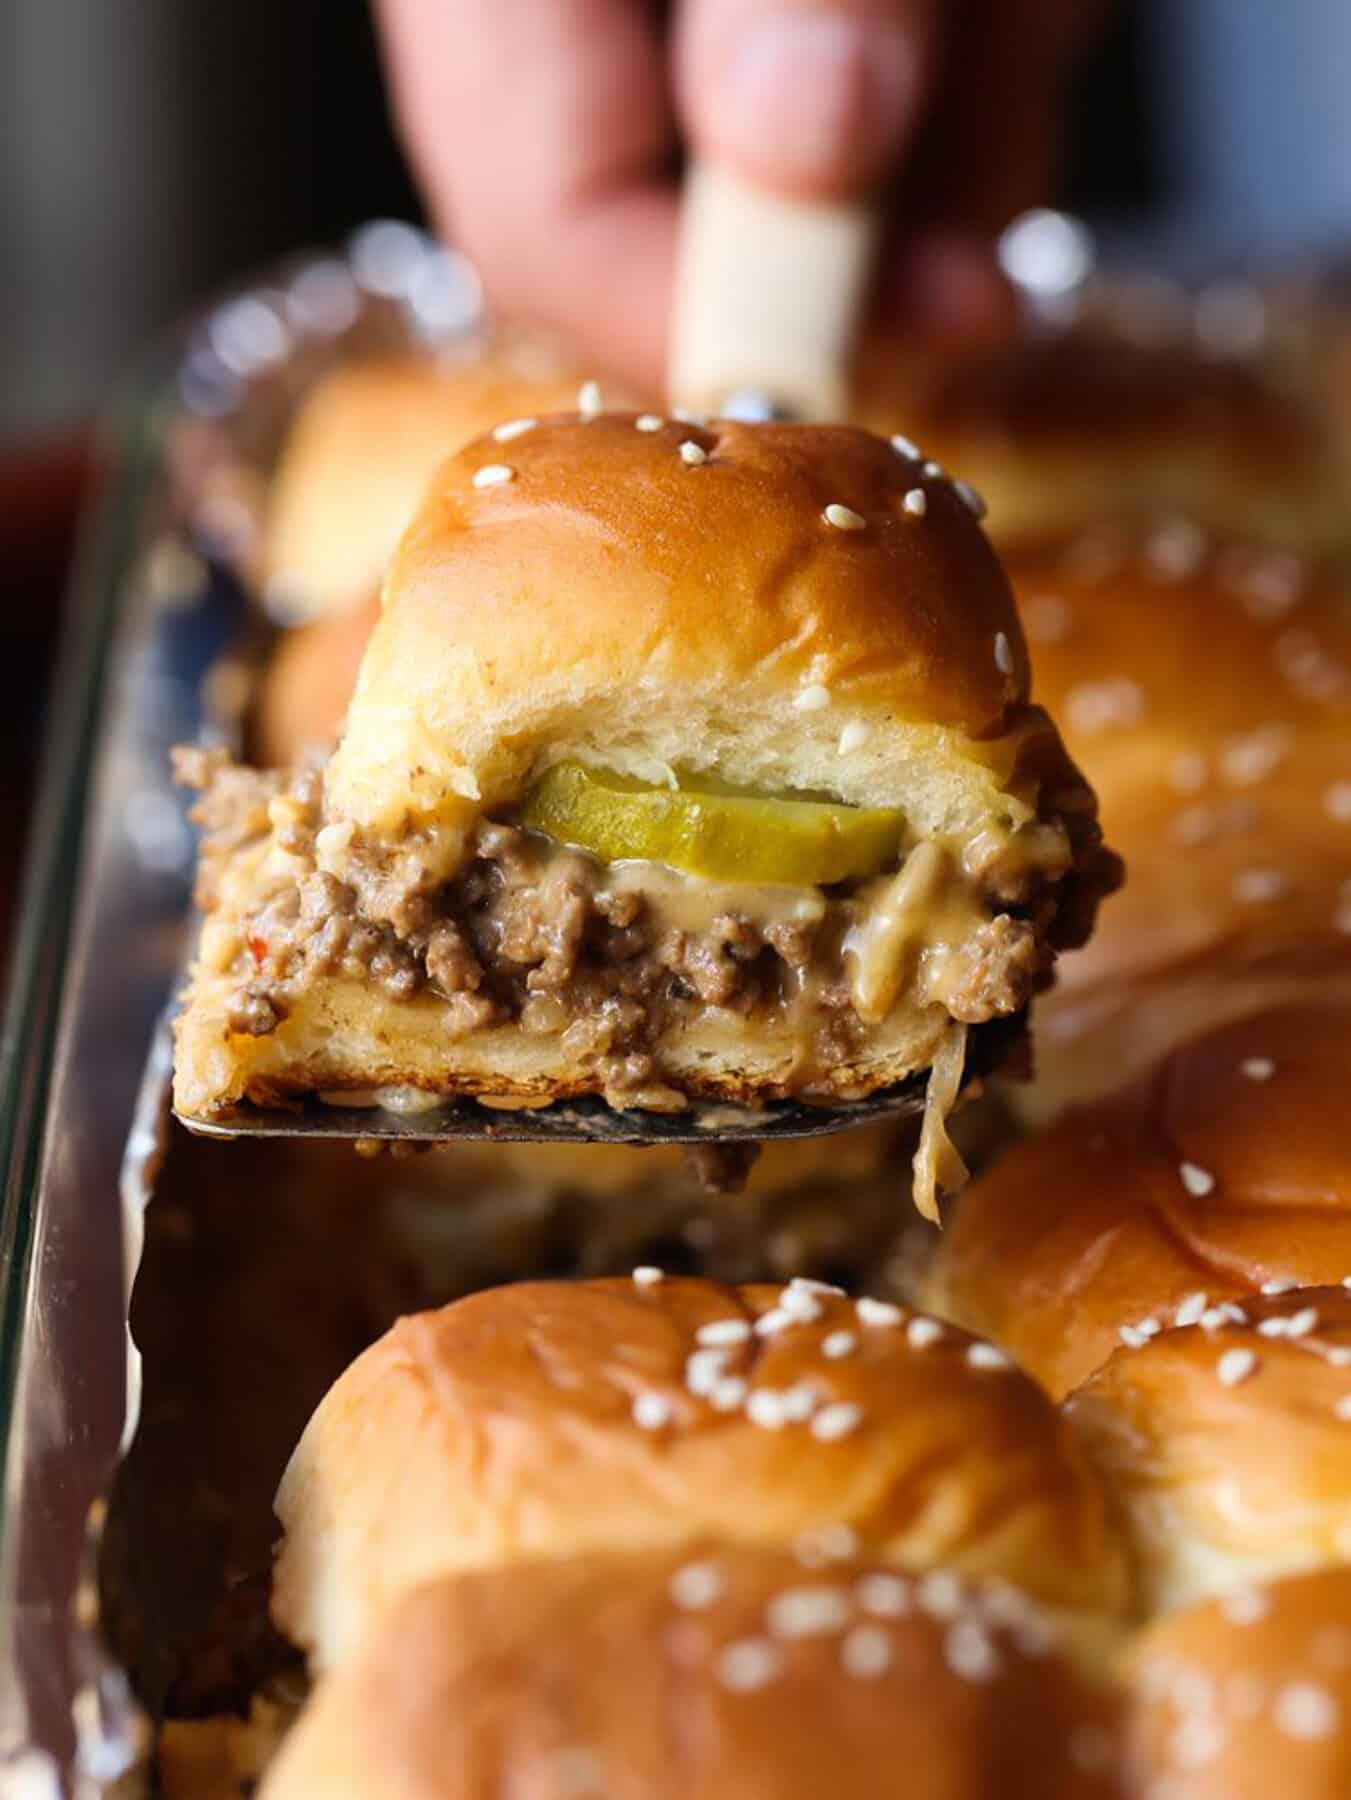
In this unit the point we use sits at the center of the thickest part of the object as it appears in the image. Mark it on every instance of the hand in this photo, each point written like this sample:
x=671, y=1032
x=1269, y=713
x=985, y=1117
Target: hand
x=546, y=135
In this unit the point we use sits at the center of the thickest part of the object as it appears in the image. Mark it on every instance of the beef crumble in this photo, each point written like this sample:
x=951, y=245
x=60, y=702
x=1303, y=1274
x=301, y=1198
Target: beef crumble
x=543, y=936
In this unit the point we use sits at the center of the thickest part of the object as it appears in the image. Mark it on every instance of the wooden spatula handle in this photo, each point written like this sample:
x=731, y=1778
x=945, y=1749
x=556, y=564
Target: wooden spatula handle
x=768, y=295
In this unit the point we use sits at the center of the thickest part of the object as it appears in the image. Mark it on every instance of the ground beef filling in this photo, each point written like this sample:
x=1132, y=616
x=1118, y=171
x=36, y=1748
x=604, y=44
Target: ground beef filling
x=537, y=934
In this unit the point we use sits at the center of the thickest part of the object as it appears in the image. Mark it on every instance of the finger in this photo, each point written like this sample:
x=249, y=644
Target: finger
x=813, y=98
x=542, y=136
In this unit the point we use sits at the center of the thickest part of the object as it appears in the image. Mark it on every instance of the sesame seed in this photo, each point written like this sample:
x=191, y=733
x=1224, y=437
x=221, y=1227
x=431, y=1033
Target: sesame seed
x=648, y=422
x=934, y=470
x=652, y=1410
x=1197, y=1181
x=866, y=1652
x=971, y=498
x=916, y=503
x=1258, y=1068
x=1337, y=802
x=836, y=1421
x=590, y=400
x=1003, y=653
x=922, y=1331
x=808, y=1284
x=799, y=1402
x=939, y=1594
x=1278, y=1284
x=693, y=453
x=1198, y=1740
x=572, y=1773
x=1274, y=1328
x=514, y=428
x=777, y=1319
x=877, y=1312
x=1094, y=706
x=748, y=1664
x=839, y=1343
x=1235, y=1366
x=885, y=1596
x=1047, y=619
x=723, y=1331
x=1187, y=772
x=1342, y=1409
x=1132, y=1337
x=906, y=446
x=807, y=1612
x=646, y=1275
x=799, y=1304
x=1259, y=887
x=1339, y=1355
x=703, y=1369
x=836, y=1542
x=1245, y=1605
x=696, y=1585
x=812, y=699
x=853, y=737
x=493, y=475
x=969, y=1652
x=1300, y=1324
x=727, y=1394
x=1226, y=1314
x=765, y=1408
x=1190, y=1309
x=844, y=518
x=1305, y=1711
x=986, y=1356
x=1149, y=1328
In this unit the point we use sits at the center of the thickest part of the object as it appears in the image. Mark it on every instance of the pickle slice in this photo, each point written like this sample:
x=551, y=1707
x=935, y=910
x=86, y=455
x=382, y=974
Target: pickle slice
x=718, y=835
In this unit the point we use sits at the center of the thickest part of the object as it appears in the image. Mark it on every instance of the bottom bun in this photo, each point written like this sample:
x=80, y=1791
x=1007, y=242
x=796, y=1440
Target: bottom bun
x=718, y=1673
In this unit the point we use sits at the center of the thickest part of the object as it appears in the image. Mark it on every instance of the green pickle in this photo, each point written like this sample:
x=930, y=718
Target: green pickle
x=713, y=832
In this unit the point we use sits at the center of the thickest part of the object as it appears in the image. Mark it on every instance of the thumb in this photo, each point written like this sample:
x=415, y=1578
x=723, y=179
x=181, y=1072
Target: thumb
x=812, y=98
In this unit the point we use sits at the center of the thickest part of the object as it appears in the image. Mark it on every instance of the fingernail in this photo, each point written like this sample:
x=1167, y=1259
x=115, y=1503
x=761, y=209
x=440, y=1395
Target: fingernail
x=815, y=102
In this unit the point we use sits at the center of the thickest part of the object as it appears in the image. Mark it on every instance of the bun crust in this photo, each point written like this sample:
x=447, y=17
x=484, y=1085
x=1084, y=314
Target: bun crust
x=548, y=1419
x=362, y=448
x=1246, y=1697
x=1227, y=1446
x=591, y=1676
x=1065, y=429
x=613, y=602
x=1091, y=1226
x=308, y=682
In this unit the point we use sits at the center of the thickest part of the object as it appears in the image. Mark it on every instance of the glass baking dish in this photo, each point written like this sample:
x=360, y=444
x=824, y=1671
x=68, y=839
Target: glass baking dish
x=157, y=651
x=154, y=631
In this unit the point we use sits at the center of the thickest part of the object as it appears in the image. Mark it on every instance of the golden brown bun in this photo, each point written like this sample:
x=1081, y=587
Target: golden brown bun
x=614, y=603
x=503, y=1427
x=1091, y=1225
x=1248, y=1697
x=308, y=682
x=589, y=1676
x=1228, y=1447
x=1206, y=691
x=1068, y=428
x=362, y=448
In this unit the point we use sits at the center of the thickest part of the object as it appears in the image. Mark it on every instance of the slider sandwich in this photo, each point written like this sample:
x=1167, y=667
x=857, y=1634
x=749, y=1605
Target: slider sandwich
x=685, y=764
